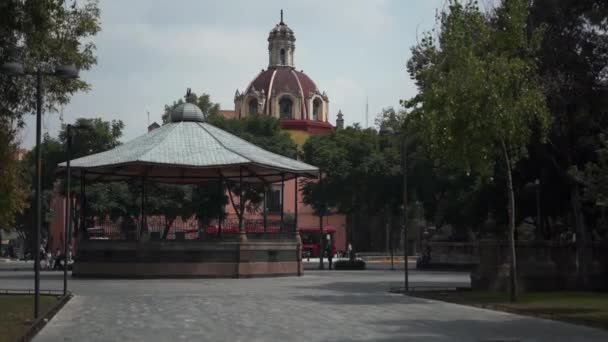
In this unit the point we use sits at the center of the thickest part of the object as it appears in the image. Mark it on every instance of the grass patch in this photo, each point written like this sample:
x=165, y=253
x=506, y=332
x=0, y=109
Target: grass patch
x=17, y=314
x=587, y=308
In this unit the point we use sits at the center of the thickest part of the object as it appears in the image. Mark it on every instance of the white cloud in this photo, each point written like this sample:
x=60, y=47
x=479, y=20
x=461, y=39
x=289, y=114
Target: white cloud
x=348, y=95
x=230, y=46
x=369, y=17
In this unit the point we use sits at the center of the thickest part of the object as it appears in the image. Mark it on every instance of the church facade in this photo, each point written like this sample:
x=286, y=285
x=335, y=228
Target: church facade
x=283, y=92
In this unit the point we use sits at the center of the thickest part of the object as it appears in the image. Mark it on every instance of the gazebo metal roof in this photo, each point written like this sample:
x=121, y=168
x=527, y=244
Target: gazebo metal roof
x=189, y=152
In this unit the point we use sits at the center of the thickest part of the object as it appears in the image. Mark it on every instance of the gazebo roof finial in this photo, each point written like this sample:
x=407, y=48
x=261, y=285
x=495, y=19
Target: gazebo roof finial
x=281, y=17
x=188, y=93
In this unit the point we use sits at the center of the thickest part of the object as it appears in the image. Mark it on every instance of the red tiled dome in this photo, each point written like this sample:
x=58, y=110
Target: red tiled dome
x=283, y=79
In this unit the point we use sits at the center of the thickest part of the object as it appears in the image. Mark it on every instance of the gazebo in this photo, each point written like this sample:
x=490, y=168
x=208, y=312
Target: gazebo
x=188, y=150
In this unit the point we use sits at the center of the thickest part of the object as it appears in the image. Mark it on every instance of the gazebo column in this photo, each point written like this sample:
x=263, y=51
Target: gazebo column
x=322, y=239
x=295, y=204
x=242, y=232
x=83, y=207
x=265, y=209
x=221, y=212
x=142, y=210
x=295, y=227
x=282, y=200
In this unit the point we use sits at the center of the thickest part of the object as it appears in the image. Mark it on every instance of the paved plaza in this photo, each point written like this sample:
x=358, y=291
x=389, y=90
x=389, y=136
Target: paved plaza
x=320, y=306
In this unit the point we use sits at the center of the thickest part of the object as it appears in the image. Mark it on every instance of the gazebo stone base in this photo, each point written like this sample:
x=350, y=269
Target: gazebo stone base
x=187, y=259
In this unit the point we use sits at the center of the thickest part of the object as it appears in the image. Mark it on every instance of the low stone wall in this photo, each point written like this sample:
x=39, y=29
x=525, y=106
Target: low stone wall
x=157, y=259
x=448, y=255
x=542, y=265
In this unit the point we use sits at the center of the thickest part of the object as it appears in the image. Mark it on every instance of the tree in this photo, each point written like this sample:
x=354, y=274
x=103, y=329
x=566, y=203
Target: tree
x=44, y=34
x=12, y=186
x=171, y=201
x=210, y=200
x=595, y=177
x=360, y=177
x=572, y=67
x=203, y=102
x=265, y=132
x=114, y=199
x=102, y=197
x=53, y=153
x=261, y=130
x=479, y=99
x=104, y=135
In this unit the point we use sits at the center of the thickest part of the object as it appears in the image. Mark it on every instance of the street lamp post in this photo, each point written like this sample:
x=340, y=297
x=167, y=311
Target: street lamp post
x=65, y=72
x=405, y=235
x=539, y=224
x=388, y=131
x=68, y=208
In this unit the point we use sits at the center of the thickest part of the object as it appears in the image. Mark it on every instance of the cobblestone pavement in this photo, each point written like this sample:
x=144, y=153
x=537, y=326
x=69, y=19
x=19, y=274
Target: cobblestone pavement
x=320, y=306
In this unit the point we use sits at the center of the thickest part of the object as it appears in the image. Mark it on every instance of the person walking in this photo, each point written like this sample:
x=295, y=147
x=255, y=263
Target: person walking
x=330, y=254
x=58, y=258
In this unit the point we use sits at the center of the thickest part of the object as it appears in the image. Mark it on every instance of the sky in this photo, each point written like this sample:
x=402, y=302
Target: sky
x=150, y=51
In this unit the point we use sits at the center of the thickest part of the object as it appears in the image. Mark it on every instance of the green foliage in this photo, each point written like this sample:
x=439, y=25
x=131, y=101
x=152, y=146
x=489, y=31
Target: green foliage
x=479, y=98
x=40, y=34
x=113, y=199
x=12, y=186
x=45, y=34
x=261, y=130
x=265, y=132
x=572, y=67
x=478, y=88
x=103, y=136
x=596, y=177
x=210, y=200
x=356, y=171
x=205, y=202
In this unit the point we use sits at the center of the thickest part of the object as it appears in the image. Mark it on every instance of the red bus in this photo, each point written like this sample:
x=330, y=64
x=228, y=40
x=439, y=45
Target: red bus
x=311, y=240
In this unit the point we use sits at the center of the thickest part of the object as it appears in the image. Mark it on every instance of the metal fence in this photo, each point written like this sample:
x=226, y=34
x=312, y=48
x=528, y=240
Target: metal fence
x=159, y=228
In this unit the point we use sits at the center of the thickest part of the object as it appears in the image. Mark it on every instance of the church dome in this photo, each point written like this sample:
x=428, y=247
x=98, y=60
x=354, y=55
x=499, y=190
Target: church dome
x=187, y=112
x=283, y=92
x=283, y=80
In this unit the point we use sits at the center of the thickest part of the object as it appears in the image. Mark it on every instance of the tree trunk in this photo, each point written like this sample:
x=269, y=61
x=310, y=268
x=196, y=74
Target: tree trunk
x=511, y=208
x=168, y=224
x=237, y=209
x=581, y=236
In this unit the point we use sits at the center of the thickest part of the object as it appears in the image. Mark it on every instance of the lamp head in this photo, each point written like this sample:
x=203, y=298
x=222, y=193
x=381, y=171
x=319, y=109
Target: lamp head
x=66, y=71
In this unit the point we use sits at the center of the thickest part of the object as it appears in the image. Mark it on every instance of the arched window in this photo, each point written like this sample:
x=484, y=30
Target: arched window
x=316, y=109
x=253, y=106
x=283, y=57
x=286, y=108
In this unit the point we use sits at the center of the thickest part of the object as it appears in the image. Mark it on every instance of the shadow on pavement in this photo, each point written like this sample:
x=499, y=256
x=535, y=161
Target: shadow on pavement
x=483, y=330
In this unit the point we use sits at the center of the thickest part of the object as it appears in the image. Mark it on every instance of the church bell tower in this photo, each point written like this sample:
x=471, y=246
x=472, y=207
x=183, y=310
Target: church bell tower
x=281, y=46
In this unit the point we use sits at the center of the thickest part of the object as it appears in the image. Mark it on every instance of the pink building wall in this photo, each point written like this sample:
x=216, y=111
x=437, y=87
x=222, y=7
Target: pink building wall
x=57, y=222
x=306, y=217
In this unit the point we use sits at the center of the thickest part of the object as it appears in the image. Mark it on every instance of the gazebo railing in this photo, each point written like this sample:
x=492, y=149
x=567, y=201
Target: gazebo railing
x=130, y=229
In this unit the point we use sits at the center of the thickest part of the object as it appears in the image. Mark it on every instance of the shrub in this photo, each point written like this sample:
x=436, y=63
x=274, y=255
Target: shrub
x=349, y=265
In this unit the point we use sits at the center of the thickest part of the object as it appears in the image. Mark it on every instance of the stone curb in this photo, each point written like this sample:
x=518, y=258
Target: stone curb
x=15, y=269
